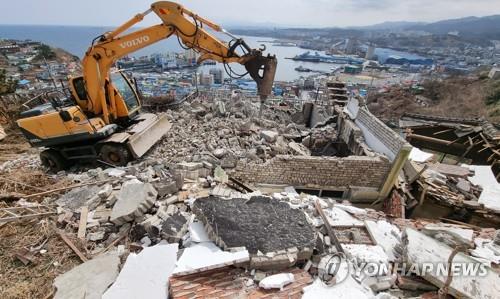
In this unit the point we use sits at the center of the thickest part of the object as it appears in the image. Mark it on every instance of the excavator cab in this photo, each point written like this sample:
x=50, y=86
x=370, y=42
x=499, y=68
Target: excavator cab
x=122, y=87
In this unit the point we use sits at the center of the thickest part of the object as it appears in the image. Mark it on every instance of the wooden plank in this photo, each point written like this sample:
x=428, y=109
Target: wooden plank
x=73, y=247
x=82, y=227
x=65, y=188
x=329, y=229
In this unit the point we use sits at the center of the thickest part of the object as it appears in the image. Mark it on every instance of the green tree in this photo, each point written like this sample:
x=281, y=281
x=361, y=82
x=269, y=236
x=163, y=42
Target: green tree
x=45, y=51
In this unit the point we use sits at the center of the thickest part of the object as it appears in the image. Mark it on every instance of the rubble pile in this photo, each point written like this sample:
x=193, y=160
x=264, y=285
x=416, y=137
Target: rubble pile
x=464, y=193
x=183, y=215
x=224, y=136
x=180, y=225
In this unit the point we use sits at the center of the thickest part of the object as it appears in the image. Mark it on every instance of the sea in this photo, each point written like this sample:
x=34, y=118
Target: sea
x=77, y=39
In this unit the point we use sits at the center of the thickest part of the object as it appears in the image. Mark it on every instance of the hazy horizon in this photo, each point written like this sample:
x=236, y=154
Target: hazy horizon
x=278, y=13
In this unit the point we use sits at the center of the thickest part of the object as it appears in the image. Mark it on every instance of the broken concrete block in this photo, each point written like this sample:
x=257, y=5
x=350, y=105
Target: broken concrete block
x=174, y=227
x=190, y=166
x=277, y=281
x=166, y=187
x=219, y=153
x=97, y=236
x=386, y=235
x=207, y=256
x=269, y=136
x=145, y=275
x=133, y=200
x=115, y=172
x=463, y=185
x=88, y=280
x=105, y=191
x=299, y=149
x=77, y=197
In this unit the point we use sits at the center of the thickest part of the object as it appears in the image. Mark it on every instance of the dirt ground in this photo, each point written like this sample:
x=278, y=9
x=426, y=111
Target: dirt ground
x=50, y=255
x=454, y=97
x=33, y=280
x=13, y=145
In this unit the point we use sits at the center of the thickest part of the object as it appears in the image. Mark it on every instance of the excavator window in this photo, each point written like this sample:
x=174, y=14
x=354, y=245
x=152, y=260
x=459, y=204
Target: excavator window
x=125, y=90
x=79, y=86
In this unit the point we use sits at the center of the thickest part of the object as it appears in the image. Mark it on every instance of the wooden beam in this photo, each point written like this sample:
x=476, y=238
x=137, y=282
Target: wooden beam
x=329, y=229
x=73, y=247
x=82, y=227
x=65, y=188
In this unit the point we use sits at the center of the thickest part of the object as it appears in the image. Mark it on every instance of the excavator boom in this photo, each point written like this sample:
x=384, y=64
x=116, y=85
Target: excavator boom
x=105, y=123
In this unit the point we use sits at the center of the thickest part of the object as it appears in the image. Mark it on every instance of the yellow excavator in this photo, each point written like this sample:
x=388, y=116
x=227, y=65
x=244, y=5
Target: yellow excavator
x=102, y=119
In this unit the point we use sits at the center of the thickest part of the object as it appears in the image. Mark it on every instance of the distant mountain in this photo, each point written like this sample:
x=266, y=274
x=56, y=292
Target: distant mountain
x=478, y=27
x=395, y=26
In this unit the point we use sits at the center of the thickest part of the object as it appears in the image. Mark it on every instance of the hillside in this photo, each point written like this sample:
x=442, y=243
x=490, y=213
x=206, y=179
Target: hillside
x=454, y=97
x=484, y=27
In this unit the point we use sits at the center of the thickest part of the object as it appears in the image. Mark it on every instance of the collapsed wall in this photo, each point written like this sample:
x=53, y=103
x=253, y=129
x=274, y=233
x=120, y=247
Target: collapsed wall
x=379, y=137
x=323, y=173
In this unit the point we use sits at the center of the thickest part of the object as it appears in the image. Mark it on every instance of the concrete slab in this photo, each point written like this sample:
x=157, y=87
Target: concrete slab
x=145, y=275
x=422, y=249
x=133, y=200
x=269, y=136
x=385, y=235
x=259, y=224
x=207, y=256
x=339, y=217
x=484, y=177
x=450, y=234
x=88, y=280
x=78, y=197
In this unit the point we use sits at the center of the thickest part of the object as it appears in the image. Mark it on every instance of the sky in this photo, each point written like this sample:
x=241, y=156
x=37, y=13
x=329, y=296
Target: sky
x=293, y=13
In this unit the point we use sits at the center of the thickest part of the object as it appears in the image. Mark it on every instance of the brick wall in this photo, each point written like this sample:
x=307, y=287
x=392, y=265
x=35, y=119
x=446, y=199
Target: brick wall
x=317, y=172
x=372, y=126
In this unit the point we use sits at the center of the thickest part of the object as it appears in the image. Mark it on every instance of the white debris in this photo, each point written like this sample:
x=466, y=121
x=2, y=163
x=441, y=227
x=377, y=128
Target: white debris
x=419, y=156
x=347, y=289
x=198, y=233
x=422, y=249
x=145, y=275
x=351, y=209
x=385, y=235
x=484, y=177
x=486, y=250
x=207, y=256
x=366, y=253
x=115, y=172
x=339, y=217
x=277, y=281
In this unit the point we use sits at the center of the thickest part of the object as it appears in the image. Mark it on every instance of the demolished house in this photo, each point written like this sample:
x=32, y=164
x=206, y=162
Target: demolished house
x=230, y=205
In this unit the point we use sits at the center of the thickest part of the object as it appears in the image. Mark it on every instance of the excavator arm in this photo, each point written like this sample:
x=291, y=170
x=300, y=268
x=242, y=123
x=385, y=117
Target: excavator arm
x=102, y=97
